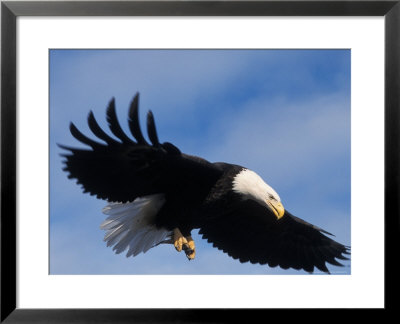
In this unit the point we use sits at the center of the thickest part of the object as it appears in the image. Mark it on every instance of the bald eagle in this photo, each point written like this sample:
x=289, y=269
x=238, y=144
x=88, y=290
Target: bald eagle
x=157, y=195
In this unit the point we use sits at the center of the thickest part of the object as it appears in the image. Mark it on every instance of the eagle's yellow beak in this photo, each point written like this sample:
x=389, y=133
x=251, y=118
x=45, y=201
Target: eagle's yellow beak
x=277, y=208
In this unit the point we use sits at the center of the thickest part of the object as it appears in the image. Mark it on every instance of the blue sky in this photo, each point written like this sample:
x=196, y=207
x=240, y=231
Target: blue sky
x=282, y=113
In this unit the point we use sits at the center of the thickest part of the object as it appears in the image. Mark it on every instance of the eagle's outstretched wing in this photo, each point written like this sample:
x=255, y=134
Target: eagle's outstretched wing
x=123, y=169
x=248, y=231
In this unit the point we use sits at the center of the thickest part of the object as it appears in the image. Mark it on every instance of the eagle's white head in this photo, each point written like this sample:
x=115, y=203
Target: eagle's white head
x=251, y=186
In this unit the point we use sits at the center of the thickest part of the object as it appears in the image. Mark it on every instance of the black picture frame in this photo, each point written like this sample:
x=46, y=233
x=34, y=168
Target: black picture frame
x=10, y=10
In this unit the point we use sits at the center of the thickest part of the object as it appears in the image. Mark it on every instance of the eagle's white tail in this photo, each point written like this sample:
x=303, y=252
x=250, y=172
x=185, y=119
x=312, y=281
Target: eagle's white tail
x=131, y=225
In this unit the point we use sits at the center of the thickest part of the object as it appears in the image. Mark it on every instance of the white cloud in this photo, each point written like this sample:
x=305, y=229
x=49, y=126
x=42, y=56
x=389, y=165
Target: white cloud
x=280, y=138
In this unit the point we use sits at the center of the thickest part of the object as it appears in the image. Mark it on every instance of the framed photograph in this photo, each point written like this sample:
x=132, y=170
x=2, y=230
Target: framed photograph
x=194, y=161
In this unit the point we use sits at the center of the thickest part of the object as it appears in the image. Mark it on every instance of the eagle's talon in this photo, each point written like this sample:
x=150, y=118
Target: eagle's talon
x=180, y=244
x=184, y=243
x=191, y=250
x=191, y=255
x=179, y=240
